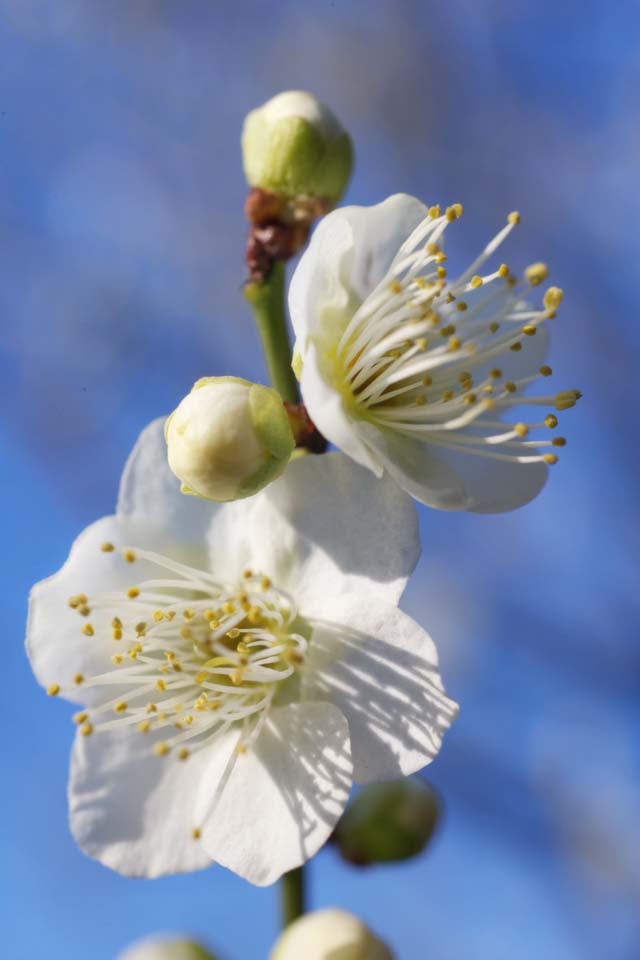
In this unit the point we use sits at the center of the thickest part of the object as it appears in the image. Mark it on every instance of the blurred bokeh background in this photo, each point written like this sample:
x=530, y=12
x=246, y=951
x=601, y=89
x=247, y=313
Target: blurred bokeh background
x=121, y=258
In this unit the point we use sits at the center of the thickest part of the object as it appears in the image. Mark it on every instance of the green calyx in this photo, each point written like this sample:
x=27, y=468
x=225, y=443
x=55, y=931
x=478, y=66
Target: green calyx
x=294, y=158
x=271, y=424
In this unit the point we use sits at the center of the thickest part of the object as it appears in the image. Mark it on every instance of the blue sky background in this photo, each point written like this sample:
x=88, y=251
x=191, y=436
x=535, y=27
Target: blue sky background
x=121, y=239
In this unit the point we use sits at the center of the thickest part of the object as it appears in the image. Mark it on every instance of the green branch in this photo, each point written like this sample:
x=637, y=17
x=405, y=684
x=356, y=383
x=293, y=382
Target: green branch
x=268, y=305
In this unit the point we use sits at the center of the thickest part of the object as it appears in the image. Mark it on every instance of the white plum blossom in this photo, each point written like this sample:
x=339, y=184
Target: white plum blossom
x=410, y=372
x=237, y=666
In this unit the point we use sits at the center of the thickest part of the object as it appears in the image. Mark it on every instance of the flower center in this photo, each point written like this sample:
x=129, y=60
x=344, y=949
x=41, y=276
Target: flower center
x=418, y=355
x=193, y=656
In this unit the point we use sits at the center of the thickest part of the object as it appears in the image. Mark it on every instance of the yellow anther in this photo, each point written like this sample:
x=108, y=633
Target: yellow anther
x=545, y=371
x=144, y=726
x=553, y=298
x=233, y=633
x=170, y=614
x=494, y=327
x=241, y=748
x=265, y=583
x=476, y=281
x=177, y=666
x=513, y=217
x=489, y=404
x=454, y=344
x=188, y=613
x=88, y=630
x=421, y=343
x=529, y=330
x=551, y=421
x=432, y=248
x=86, y=729
x=550, y=458
x=395, y=286
x=495, y=374
x=254, y=615
x=129, y=556
x=77, y=601
x=503, y=270
x=448, y=395
x=209, y=615
x=189, y=718
x=117, y=634
x=559, y=441
x=185, y=633
x=441, y=257
x=521, y=429
x=470, y=399
x=81, y=717
x=427, y=380
x=449, y=298
x=195, y=833
x=53, y=689
x=183, y=753
x=567, y=399
x=158, y=615
x=84, y=610
x=117, y=659
x=141, y=629
x=236, y=677
x=120, y=707
x=510, y=386
x=169, y=654
x=202, y=676
x=536, y=273
x=116, y=623
x=107, y=547
x=454, y=211
x=133, y=592
x=461, y=306
x=516, y=347
x=161, y=749
x=161, y=684
x=420, y=400
x=434, y=211
x=78, y=678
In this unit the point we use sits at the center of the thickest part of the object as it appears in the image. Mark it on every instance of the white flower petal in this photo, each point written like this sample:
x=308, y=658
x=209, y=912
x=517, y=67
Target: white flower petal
x=378, y=233
x=331, y=414
x=149, y=490
x=327, y=527
x=381, y=669
x=416, y=469
x=132, y=810
x=56, y=645
x=282, y=798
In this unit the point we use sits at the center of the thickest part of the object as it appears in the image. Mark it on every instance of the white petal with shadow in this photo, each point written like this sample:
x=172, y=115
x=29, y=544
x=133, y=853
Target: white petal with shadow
x=381, y=669
x=282, y=798
x=325, y=528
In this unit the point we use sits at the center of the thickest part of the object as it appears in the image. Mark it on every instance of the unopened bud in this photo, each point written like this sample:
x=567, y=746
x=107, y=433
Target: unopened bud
x=327, y=935
x=387, y=822
x=228, y=438
x=161, y=948
x=295, y=146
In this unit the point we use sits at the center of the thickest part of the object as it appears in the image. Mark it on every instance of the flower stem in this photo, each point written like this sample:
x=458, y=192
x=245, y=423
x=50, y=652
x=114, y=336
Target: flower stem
x=292, y=889
x=267, y=302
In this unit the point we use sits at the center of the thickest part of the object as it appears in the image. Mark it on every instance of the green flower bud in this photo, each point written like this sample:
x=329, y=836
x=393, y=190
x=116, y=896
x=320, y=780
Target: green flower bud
x=387, y=822
x=228, y=438
x=294, y=146
x=329, y=935
x=159, y=948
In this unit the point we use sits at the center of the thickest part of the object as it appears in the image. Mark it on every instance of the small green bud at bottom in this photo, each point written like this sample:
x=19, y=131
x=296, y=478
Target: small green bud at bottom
x=388, y=822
